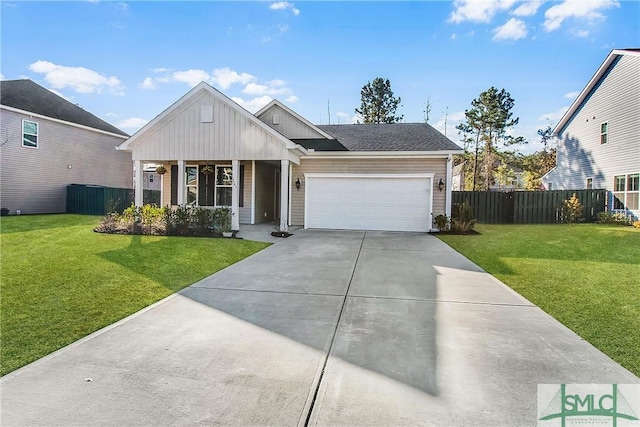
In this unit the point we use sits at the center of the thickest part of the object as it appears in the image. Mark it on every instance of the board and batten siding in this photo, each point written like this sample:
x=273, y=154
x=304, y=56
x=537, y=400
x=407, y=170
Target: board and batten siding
x=180, y=135
x=614, y=100
x=34, y=180
x=369, y=166
x=288, y=125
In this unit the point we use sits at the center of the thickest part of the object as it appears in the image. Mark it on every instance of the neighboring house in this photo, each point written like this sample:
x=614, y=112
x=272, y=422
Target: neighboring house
x=516, y=183
x=599, y=136
x=457, y=179
x=275, y=166
x=151, y=180
x=48, y=143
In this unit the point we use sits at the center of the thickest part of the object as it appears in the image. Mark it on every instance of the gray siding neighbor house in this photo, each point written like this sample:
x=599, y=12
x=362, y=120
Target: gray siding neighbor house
x=276, y=166
x=599, y=136
x=48, y=143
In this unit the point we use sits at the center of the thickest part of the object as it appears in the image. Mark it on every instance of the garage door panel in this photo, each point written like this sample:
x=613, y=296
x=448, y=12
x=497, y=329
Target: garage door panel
x=364, y=203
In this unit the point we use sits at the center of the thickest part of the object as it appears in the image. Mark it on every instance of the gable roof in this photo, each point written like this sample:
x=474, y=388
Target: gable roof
x=577, y=103
x=390, y=137
x=277, y=103
x=186, y=98
x=29, y=96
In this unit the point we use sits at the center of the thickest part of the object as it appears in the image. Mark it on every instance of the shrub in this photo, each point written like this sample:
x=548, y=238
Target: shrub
x=442, y=222
x=462, y=220
x=636, y=224
x=617, y=218
x=571, y=210
x=222, y=220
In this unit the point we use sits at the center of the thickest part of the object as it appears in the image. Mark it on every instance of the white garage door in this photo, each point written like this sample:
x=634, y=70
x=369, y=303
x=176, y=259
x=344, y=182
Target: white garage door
x=368, y=202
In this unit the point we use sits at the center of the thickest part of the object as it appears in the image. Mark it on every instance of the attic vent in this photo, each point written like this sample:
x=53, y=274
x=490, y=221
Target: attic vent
x=206, y=114
x=276, y=119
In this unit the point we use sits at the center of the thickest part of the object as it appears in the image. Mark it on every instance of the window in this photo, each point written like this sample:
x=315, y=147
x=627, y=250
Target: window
x=224, y=182
x=604, y=131
x=191, y=179
x=29, y=134
x=550, y=186
x=589, y=183
x=626, y=192
x=151, y=178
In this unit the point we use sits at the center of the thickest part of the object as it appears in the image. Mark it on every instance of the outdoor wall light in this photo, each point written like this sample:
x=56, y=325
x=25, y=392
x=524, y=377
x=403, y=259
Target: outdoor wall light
x=298, y=184
x=441, y=185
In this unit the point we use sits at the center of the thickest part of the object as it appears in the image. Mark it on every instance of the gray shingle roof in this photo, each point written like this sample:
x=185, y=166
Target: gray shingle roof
x=390, y=137
x=29, y=96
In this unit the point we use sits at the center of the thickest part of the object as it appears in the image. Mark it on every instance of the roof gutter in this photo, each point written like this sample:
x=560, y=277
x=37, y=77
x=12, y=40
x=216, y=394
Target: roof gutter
x=380, y=154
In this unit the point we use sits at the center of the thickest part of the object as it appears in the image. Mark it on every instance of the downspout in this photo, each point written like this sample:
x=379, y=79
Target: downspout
x=448, y=195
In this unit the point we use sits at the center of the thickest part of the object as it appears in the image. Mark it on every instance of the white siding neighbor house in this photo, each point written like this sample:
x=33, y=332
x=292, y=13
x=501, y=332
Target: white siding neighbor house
x=275, y=166
x=48, y=143
x=599, y=136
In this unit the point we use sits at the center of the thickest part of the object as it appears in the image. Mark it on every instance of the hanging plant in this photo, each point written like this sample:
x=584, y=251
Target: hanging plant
x=161, y=170
x=207, y=170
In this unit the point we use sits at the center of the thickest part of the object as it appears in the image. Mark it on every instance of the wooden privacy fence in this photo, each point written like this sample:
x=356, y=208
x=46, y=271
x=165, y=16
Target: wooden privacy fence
x=529, y=207
x=98, y=200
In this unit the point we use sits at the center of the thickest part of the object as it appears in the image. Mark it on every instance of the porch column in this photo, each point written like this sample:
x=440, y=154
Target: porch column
x=138, y=182
x=182, y=185
x=284, y=195
x=447, y=200
x=235, y=197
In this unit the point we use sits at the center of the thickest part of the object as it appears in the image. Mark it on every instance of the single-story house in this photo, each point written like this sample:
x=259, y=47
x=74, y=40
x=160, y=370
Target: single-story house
x=276, y=166
x=599, y=136
x=48, y=143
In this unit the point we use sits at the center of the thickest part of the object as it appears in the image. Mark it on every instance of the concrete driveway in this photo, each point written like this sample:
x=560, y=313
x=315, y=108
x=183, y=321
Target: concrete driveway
x=323, y=328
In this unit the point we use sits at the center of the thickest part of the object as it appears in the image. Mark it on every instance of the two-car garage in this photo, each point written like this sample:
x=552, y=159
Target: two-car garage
x=393, y=202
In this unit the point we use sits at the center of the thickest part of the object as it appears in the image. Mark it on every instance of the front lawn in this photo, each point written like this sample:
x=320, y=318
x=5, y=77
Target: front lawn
x=60, y=281
x=586, y=275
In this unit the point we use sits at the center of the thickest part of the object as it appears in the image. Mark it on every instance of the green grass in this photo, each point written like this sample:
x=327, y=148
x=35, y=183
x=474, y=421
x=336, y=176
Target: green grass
x=587, y=276
x=60, y=281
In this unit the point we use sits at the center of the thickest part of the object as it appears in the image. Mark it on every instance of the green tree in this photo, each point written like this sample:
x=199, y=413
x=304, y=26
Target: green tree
x=504, y=175
x=378, y=105
x=485, y=127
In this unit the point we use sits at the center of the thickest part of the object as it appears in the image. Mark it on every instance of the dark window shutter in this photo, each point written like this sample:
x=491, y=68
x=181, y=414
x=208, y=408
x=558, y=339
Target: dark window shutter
x=174, y=184
x=241, y=186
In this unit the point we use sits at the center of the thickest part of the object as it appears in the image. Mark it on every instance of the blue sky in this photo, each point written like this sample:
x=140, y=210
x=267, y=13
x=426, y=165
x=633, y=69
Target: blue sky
x=127, y=61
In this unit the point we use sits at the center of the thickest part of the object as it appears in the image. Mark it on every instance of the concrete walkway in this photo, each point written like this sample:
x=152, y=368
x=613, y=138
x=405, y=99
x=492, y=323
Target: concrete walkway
x=323, y=328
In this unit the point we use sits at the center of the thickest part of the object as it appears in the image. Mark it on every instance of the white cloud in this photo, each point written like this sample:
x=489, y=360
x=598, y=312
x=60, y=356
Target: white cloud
x=274, y=87
x=111, y=115
x=292, y=99
x=160, y=70
x=452, y=119
x=590, y=10
x=555, y=115
x=513, y=29
x=528, y=8
x=134, y=123
x=284, y=5
x=61, y=95
x=2, y=76
x=478, y=11
x=225, y=77
x=453, y=36
x=571, y=95
x=346, y=118
x=80, y=79
x=191, y=77
x=254, y=104
x=580, y=33
x=148, y=84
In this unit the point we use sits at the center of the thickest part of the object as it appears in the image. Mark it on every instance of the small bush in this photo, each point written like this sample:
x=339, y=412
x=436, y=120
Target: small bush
x=636, y=224
x=462, y=220
x=616, y=218
x=571, y=210
x=442, y=222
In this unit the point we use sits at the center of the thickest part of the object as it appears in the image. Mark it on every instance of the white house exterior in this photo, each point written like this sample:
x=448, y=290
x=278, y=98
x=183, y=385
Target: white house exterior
x=599, y=136
x=275, y=166
x=48, y=143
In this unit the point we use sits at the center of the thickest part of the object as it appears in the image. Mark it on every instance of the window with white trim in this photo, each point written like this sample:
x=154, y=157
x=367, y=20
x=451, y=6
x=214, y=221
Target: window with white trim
x=589, y=183
x=191, y=180
x=626, y=191
x=604, y=133
x=224, y=184
x=29, y=134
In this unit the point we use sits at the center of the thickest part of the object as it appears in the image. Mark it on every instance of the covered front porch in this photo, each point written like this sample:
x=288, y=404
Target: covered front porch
x=256, y=191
